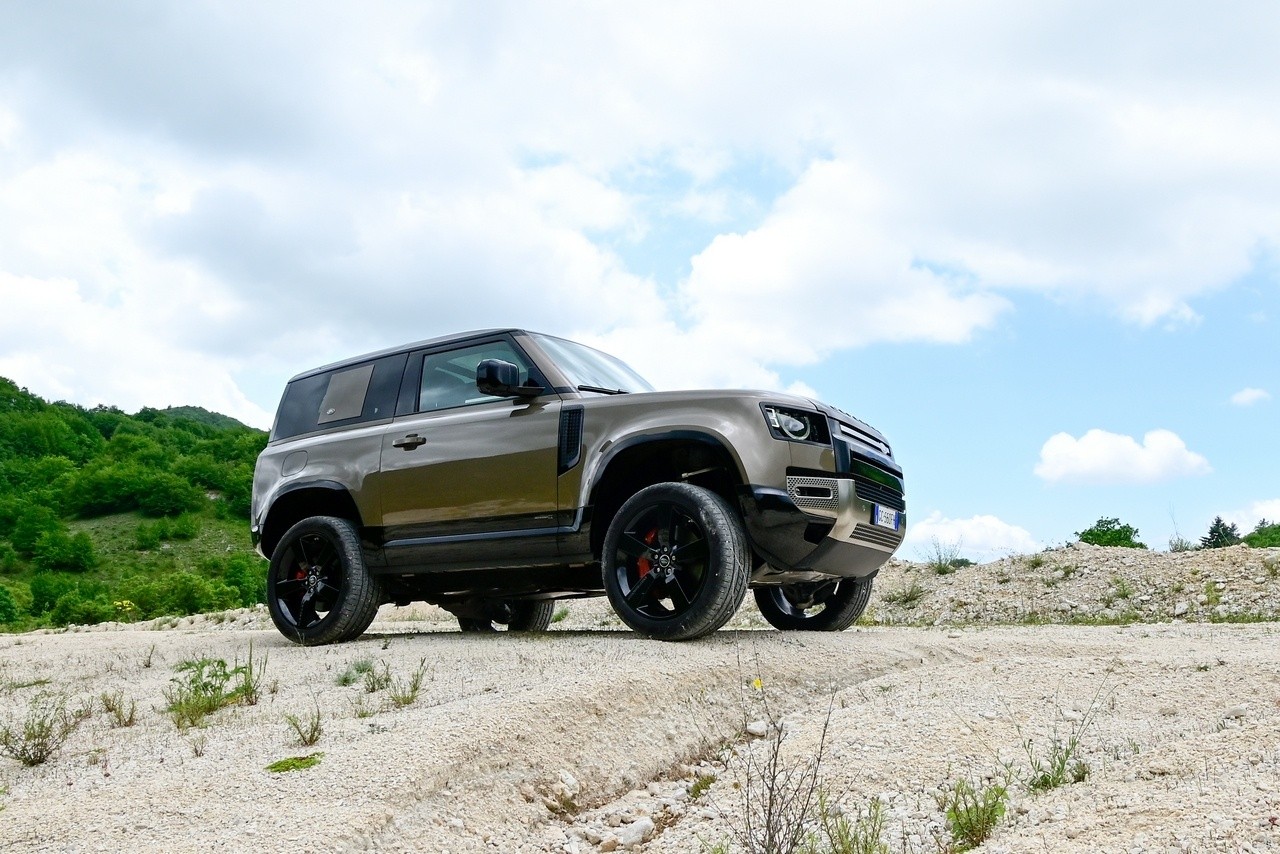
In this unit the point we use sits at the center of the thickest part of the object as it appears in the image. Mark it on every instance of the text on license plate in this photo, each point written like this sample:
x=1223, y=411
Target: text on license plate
x=885, y=517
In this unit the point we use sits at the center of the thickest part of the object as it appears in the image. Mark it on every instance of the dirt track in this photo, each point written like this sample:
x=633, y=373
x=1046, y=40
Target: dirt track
x=1182, y=736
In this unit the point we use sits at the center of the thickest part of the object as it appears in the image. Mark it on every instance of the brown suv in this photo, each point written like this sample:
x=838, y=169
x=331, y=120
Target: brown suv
x=495, y=472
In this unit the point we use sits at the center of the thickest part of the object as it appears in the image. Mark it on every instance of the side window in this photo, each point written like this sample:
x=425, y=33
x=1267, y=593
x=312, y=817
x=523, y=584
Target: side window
x=449, y=377
x=350, y=395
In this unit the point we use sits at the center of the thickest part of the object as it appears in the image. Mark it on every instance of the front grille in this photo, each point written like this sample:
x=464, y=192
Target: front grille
x=864, y=438
x=875, y=536
x=878, y=493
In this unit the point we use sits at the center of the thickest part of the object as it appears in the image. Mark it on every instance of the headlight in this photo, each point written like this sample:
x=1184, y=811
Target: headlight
x=796, y=425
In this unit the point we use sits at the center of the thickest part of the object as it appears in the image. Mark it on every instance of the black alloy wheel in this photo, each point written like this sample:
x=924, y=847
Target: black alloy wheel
x=676, y=561
x=514, y=616
x=318, y=590
x=820, y=606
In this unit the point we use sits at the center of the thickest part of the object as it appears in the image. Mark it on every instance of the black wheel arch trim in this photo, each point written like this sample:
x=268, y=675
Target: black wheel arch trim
x=638, y=440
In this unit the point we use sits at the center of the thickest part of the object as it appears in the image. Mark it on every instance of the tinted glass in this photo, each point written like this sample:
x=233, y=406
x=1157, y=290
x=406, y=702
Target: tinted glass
x=585, y=366
x=350, y=395
x=449, y=378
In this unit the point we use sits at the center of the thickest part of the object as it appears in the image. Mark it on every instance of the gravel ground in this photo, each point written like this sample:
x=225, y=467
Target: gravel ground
x=591, y=739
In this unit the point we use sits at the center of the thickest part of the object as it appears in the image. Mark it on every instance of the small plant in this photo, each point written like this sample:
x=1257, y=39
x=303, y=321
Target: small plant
x=842, y=836
x=1122, y=588
x=148, y=657
x=1179, y=543
x=1062, y=763
x=944, y=558
x=123, y=712
x=354, y=672
x=700, y=786
x=1212, y=593
x=198, y=743
x=1272, y=565
x=248, y=691
x=200, y=691
x=361, y=708
x=561, y=613
x=309, y=730
x=972, y=813
x=905, y=597
x=406, y=693
x=376, y=680
x=1035, y=561
x=295, y=763
x=46, y=727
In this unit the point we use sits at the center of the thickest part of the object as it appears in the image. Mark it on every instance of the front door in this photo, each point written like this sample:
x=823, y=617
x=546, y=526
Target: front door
x=469, y=478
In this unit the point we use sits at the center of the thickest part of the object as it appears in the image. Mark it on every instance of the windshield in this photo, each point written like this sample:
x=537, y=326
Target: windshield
x=585, y=366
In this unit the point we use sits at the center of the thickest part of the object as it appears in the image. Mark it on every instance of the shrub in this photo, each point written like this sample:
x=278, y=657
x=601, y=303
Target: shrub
x=83, y=608
x=1220, y=535
x=245, y=574
x=33, y=522
x=1110, y=532
x=46, y=727
x=972, y=813
x=9, y=560
x=8, y=607
x=58, y=550
x=1265, y=535
x=46, y=589
x=169, y=495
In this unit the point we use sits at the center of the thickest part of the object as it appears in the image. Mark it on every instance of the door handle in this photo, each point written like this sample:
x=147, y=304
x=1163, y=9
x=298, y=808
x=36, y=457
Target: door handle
x=409, y=442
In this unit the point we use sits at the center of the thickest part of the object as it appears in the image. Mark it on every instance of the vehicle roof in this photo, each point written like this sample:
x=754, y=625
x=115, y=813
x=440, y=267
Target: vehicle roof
x=457, y=337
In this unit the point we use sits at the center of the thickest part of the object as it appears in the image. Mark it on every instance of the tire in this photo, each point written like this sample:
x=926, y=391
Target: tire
x=820, y=606
x=515, y=616
x=318, y=590
x=676, y=562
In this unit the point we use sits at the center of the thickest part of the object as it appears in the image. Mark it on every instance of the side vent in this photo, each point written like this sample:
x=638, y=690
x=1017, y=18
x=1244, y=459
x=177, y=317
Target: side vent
x=570, y=438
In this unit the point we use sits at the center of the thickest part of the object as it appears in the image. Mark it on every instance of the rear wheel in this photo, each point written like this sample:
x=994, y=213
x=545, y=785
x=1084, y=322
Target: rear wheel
x=822, y=606
x=514, y=616
x=318, y=590
x=676, y=561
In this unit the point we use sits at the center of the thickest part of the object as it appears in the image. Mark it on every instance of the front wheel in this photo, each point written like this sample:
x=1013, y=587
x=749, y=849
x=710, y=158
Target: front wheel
x=514, y=616
x=318, y=590
x=821, y=606
x=676, y=561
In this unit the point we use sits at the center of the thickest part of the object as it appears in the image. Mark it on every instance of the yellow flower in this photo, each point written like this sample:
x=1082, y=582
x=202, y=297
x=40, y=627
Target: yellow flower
x=758, y=684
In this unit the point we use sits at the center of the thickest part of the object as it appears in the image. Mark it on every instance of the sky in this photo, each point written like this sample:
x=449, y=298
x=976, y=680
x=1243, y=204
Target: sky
x=1034, y=243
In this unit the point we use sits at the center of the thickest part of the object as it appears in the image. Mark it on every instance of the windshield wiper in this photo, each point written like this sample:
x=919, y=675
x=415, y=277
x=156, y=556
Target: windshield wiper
x=600, y=390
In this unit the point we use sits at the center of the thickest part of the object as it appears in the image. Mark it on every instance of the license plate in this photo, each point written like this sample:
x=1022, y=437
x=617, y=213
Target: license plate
x=885, y=517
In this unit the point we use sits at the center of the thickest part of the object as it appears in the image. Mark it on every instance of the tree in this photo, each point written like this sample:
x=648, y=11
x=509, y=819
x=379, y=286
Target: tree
x=1220, y=535
x=1265, y=535
x=1109, y=532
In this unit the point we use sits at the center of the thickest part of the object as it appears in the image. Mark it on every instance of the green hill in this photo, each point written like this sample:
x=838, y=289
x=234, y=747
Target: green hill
x=111, y=516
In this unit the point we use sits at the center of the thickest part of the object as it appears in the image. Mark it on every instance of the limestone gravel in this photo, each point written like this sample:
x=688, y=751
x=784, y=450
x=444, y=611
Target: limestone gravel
x=589, y=738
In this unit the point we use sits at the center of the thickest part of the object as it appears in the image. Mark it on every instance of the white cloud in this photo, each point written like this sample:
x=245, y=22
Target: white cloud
x=1246, y=520
x=266, y=191
x=1249, y=396
x=979, y=538
x=1099, y=457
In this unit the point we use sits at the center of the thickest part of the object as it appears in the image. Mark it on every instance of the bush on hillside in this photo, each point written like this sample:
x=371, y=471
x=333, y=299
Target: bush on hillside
x=8, y=607
x=1110, y=532
x=1265, y=535
x=33, y=522
x=46, y=589
x=58, y=550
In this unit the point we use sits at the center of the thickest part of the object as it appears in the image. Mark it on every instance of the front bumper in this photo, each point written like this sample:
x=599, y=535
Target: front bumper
x=823, y=524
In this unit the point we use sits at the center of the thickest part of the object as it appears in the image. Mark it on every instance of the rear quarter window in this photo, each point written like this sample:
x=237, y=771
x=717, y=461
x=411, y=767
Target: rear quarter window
x=353, y=394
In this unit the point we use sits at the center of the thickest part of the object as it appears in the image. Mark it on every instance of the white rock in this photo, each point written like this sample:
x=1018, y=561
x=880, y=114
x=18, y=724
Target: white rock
x=1181, y=608
x=635, y=833
x=1236, y=711
x=759, y=729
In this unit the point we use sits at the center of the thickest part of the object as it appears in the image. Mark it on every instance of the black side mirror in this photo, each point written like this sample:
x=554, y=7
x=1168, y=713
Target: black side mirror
x=502, y=379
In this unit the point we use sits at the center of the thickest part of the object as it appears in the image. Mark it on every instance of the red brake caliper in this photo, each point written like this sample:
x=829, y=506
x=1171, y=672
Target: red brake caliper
x=643, y=564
